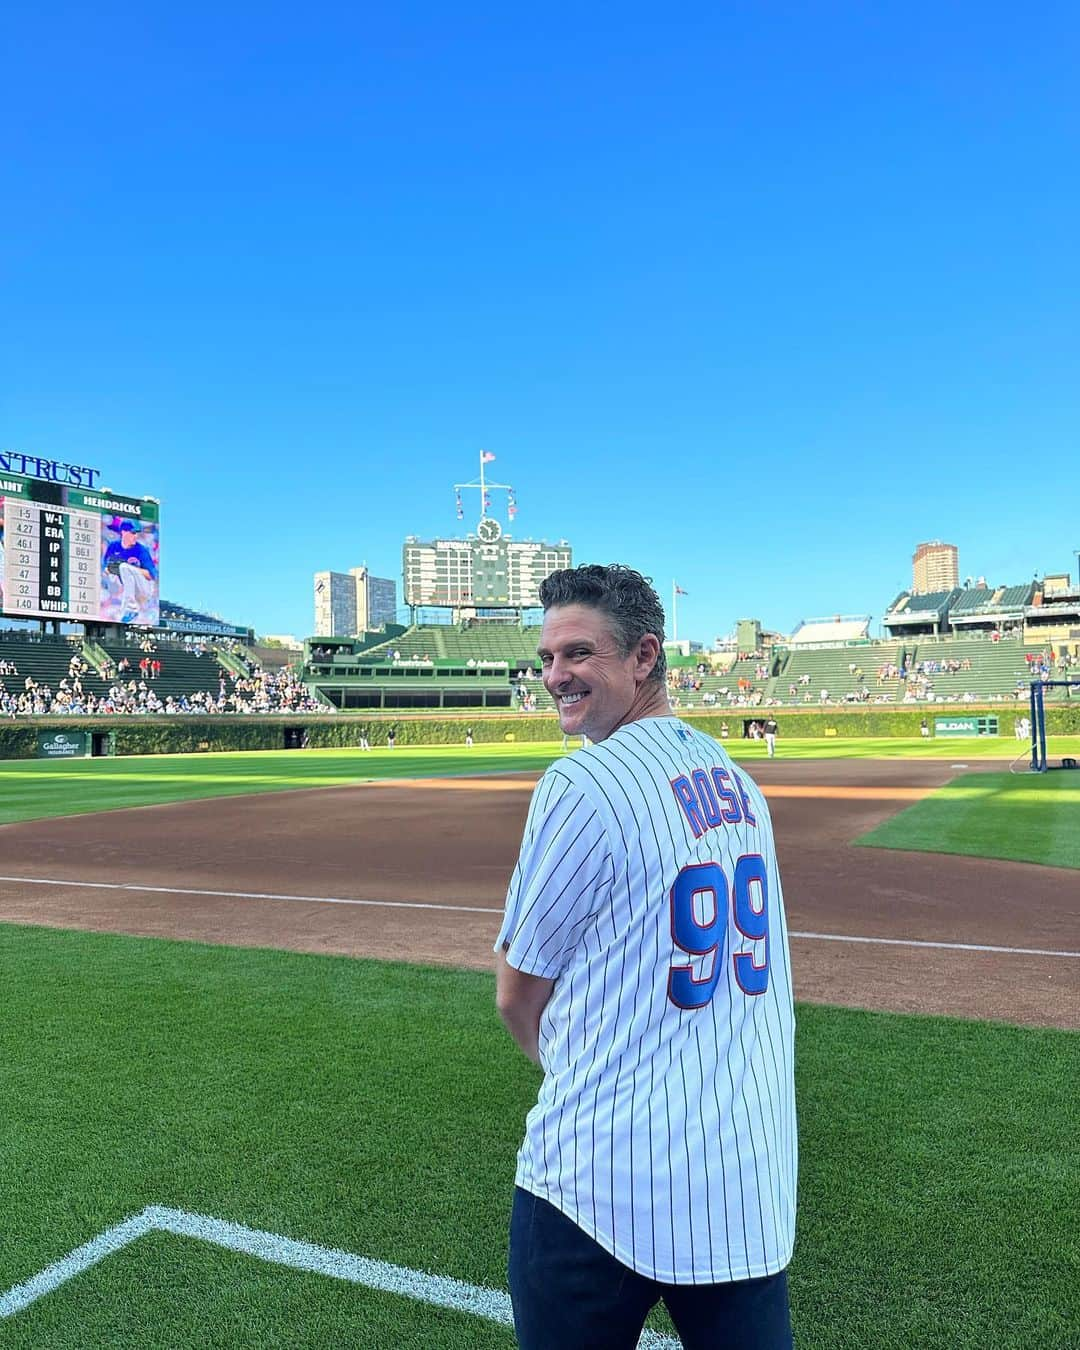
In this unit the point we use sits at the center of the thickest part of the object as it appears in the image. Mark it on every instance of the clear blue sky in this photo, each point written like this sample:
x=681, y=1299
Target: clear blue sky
x=753, y=296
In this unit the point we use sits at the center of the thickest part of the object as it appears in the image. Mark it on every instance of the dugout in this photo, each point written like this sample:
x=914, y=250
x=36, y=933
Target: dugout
x=294, y=738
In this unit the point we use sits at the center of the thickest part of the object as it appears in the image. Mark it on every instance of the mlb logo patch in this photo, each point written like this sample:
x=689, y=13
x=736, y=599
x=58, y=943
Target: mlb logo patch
x=683, y=734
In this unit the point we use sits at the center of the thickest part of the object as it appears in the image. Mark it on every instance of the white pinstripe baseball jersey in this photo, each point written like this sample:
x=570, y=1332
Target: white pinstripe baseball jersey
x=647, y=888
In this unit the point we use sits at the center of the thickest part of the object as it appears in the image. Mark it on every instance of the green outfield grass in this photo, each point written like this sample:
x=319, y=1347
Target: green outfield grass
x=378, y=1108
x=36, y=789
x=1026, y=818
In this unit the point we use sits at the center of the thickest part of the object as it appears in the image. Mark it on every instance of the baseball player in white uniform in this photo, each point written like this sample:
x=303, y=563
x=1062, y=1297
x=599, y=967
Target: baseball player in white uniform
x=643, y=963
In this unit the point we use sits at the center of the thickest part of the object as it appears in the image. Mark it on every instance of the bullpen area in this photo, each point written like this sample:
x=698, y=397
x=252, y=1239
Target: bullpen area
x=308, y=1148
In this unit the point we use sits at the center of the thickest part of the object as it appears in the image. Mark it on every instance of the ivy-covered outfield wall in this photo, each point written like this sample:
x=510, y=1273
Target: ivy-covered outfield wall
x=183, y=735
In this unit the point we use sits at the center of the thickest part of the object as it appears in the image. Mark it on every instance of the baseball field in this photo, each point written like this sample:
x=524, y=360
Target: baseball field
x=255, y=1092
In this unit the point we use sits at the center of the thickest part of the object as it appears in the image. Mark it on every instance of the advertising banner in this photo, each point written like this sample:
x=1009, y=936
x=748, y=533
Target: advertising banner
x=62, y=744
x=965, y=726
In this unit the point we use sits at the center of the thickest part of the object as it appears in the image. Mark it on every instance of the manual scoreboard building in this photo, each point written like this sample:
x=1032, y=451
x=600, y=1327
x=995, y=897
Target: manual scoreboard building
x=485, y=571
x=77, y=554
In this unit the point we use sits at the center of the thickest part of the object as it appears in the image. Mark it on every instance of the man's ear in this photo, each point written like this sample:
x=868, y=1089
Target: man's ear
x=648, y=653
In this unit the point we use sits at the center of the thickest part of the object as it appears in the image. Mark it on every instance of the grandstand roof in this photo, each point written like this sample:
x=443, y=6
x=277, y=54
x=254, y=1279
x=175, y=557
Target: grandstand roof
x=973, y=599
x=911, y=608
x=1015, y=597
x=850, y=629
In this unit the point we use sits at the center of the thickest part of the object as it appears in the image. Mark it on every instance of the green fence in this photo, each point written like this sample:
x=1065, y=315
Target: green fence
x=180, y=735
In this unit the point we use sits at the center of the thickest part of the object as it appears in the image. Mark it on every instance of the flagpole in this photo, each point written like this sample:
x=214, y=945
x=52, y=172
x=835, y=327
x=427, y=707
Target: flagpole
x=674, y=612
x=483, y=489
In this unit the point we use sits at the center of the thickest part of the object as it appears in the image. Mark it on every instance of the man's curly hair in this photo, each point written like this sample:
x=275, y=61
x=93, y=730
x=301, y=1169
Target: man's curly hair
x=625, y=596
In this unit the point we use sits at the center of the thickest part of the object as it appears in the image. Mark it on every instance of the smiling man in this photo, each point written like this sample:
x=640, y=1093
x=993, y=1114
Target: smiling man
x=643, y=963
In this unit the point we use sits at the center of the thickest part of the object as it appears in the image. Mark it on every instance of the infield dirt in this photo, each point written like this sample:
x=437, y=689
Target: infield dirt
x=451, y=843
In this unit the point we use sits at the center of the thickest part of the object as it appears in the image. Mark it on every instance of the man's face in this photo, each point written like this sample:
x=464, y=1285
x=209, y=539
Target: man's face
x=593, y=684
x=127, y=538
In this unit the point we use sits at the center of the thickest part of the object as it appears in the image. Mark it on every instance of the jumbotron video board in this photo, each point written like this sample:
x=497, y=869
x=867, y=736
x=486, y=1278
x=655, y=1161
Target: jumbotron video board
x=77, y=554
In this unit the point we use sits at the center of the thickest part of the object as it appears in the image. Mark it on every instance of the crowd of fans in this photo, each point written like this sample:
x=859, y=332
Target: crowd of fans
x=256, y=691
x=133, y=683
x=896, y=681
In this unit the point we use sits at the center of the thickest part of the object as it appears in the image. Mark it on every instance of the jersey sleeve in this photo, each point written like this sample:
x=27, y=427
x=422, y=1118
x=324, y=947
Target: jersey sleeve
x=562, y=874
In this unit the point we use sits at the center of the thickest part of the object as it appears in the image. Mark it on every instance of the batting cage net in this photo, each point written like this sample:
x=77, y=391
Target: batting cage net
x=1040, y=760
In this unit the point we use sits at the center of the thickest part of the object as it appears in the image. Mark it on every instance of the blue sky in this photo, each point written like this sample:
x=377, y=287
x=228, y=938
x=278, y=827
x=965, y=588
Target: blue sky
x=752, y=296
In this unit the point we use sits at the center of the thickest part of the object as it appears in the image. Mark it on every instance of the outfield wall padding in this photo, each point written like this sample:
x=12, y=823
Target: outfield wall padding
x=181, y=735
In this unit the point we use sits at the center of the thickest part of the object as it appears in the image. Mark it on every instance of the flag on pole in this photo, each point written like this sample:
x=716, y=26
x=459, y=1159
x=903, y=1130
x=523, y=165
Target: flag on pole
x=486, y=456
x=679, y=590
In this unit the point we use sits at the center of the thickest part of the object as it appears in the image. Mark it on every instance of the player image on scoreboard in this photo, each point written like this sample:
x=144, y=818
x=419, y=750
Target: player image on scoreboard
x=129, y=570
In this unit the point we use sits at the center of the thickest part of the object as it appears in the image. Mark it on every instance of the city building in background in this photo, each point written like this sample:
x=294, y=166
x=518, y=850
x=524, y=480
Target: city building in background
x=348, y=603
x=934, y=567
x=376, y=600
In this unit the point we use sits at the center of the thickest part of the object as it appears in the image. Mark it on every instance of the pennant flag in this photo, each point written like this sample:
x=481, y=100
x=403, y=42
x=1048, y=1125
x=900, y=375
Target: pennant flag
x=486, y=457
x=487, y=502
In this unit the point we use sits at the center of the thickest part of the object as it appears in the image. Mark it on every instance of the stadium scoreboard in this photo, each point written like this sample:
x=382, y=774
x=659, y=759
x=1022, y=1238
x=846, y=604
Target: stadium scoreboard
x=489, y=571
x=77, y=554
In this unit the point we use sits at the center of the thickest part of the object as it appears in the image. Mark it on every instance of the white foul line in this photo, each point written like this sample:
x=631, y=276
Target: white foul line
x=250, y=895
x=439, y=1290
x=480, y=909
x=940, y=946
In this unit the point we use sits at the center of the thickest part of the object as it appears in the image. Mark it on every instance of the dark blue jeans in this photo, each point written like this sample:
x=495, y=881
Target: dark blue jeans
x=570, y=1294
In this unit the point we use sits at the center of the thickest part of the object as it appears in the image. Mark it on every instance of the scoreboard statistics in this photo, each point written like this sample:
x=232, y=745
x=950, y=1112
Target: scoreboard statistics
x=491, y=570
x=77, y=554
